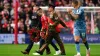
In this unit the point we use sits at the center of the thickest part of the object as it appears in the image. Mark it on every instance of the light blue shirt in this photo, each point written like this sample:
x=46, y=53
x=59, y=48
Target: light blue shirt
x=80, y=22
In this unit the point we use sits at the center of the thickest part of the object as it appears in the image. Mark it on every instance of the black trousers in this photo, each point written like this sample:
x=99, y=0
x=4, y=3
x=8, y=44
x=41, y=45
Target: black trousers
x=29, y=47
x=51, y=36
x=42, y=41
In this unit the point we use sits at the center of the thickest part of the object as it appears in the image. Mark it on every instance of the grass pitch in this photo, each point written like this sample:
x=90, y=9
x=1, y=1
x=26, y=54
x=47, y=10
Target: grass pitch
x=14, y=50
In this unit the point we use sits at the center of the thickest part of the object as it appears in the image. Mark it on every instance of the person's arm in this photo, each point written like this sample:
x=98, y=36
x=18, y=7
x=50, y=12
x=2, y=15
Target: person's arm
x=46, y=34
x=63, y=24
x=56, y=23
x=59, y=20
x=39, y=24
x=55, y=19
x=71, y=17
x=76, y=15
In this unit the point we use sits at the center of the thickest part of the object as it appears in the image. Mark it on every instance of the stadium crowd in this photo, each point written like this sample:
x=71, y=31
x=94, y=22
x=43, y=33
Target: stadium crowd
x=25, y=13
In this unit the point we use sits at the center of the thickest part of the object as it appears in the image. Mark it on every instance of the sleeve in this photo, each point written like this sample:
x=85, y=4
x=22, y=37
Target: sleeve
x=39, y=25
x=63, y=24
x=79, y=11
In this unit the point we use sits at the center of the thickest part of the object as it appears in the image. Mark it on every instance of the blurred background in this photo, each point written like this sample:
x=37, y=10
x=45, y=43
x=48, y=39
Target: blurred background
x=7, y=19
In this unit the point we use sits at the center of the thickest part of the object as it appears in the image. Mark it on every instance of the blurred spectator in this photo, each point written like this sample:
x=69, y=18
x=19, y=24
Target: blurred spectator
x=66, y=17
x=98, y=23
x=58, y=3
x=21, y=12
x=66, y=3
x=12, y=24
x=21, y=26
x=91, y=4
x=98, y=2
x=27, y=22
x=4, y=25
x=88, y=24
x=96, y=29
x=40, y=2
x=10, y=29
x=86, y=2
x=50, y=1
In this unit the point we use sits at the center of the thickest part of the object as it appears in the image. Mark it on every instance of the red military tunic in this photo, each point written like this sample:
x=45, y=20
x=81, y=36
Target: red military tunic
x=44, y=21
x=57, y=27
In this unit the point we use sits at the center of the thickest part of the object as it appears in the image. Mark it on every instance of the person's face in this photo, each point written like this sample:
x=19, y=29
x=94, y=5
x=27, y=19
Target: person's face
x=40, y=12
x=50, y=9
x=73, y=4
x=29, y=8
x=35, y=8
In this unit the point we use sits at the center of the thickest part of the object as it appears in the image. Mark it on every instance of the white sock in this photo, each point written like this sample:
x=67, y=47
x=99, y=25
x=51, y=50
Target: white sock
x=78, y=53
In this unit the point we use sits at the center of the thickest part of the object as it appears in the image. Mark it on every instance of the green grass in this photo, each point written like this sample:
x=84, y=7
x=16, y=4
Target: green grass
x=14, y=50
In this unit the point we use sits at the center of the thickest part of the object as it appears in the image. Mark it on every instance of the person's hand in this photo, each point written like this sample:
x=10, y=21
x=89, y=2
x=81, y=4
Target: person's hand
x=51, y=25
x=69, y=10
x=42, y=34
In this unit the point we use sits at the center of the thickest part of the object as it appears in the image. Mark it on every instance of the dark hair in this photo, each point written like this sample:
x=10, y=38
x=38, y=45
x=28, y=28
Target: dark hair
x=75, y=2
x=51, y=5
x=39, y=9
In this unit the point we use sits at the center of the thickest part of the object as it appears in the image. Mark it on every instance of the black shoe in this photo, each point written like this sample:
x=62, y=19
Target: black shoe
x=39, y=52
x=63, y=54
x=25, y=52
x=48, y=53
